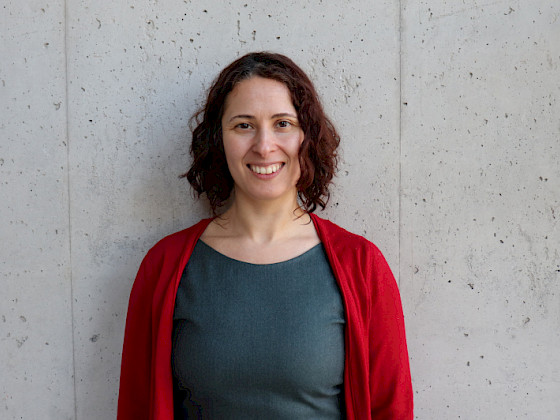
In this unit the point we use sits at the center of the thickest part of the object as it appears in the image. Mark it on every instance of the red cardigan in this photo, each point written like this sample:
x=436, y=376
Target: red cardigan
x=376, y=371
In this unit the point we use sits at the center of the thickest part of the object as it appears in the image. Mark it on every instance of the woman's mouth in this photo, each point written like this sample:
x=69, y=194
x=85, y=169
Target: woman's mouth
x=267, y=169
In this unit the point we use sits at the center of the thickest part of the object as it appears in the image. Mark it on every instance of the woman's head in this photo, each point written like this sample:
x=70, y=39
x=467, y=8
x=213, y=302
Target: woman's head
x=209, y=173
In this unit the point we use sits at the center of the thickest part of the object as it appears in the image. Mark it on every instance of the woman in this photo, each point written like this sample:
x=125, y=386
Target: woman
x=278, y=313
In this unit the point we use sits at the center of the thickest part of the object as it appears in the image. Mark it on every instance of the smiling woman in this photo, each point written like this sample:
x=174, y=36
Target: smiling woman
x=209, y=173
x=262, y=138
x=264, y=310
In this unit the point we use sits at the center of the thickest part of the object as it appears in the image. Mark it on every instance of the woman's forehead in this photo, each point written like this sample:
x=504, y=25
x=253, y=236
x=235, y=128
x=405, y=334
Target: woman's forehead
x=258, y=94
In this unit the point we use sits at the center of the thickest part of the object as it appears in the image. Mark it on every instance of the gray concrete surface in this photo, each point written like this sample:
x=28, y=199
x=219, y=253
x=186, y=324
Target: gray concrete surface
x=450, y=118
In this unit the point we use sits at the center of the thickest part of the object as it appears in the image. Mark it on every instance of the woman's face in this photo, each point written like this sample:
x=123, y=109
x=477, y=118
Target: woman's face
x=262, y=137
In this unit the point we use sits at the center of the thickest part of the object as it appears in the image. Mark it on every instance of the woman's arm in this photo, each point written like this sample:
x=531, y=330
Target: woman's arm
x=390, y=383
x=134, y=390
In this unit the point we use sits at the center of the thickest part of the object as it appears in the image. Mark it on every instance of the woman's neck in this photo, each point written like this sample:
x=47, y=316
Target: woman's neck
x=264, y=222
x=262, y=232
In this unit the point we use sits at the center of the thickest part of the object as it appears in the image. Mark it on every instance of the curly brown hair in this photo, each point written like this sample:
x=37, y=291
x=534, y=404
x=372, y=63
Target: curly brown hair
x=209, y=173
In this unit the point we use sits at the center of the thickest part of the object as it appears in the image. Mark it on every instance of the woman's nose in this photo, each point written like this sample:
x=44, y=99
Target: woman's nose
x=264, y=142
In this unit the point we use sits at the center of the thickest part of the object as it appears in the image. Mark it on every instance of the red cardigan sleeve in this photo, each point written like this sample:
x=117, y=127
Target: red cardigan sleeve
x=390, y=383
x=377, y=383
x=134, y=392
x=146, y=386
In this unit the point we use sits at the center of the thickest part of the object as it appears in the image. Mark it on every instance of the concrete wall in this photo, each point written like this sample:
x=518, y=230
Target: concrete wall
x=450, y=117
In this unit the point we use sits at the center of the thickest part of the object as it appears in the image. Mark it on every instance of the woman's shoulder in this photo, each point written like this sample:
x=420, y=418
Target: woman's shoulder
x=339, y=237
x=175, y=243
x=165, y=256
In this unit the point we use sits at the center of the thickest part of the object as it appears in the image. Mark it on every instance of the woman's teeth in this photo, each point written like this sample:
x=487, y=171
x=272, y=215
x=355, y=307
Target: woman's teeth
x=265, y=170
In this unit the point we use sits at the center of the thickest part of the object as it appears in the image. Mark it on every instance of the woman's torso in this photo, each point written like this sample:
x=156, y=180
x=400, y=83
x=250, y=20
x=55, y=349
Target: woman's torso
x=258, y=340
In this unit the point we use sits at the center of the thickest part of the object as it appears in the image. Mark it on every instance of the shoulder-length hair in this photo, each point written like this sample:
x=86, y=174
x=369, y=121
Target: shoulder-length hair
x=209, y=173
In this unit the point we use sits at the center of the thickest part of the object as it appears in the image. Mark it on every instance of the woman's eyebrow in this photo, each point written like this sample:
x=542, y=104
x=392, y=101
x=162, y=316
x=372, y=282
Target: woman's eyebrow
x=284, y=114
x=251, y=117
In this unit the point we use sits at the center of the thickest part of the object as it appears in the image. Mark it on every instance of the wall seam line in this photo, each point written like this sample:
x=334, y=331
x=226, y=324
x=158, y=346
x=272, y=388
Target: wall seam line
x=68, y=179
x=400, y=143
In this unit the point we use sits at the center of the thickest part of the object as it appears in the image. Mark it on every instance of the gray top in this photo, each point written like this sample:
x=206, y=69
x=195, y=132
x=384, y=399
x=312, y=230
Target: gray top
x=258, y=341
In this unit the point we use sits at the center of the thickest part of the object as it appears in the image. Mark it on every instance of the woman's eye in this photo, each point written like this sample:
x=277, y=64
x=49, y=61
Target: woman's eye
x=284, y=124
x=243, y=126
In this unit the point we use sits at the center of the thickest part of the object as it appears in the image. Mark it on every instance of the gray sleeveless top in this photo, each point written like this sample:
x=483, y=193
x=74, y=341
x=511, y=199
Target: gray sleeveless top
x=258, y=341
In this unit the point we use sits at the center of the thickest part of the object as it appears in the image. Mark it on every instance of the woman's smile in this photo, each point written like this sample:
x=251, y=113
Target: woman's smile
x=266, y=169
